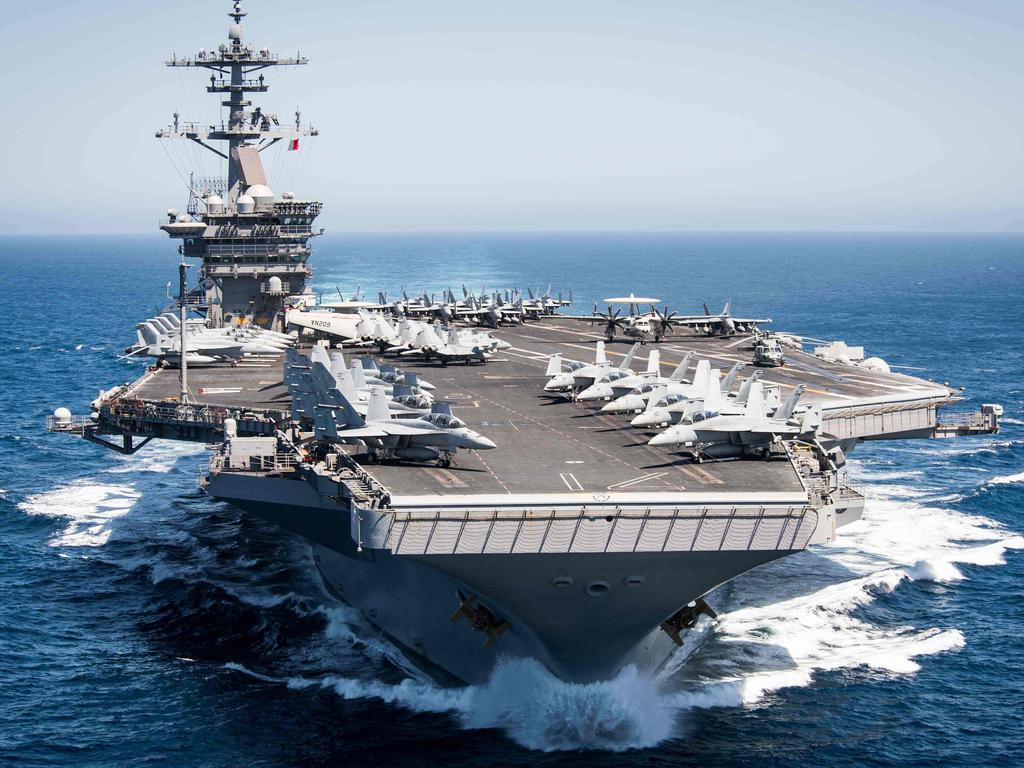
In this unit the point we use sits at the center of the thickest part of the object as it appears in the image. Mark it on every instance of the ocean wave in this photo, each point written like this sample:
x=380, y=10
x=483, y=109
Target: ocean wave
x=89, y=507
x=1017, y=477
x=160, y=458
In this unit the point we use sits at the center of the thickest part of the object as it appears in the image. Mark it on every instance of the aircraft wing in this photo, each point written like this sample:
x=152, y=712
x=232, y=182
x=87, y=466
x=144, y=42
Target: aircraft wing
x=360, y=432
x=395, y=427
x=776, y=428
x=705, y=319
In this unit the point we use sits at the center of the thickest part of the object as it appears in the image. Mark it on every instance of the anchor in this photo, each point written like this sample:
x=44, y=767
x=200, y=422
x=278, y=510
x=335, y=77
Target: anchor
x=480, y=618
x=686, y=618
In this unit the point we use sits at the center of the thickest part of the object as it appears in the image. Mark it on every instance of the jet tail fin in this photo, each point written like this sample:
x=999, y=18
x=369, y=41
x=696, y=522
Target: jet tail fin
x=554, y=365
x=755, y=406
x=700, y=378
x=345, y=385
x=600, y=358
x=679, y=374
x=730, y=378
x=345, y=414
x=149, y=333
x=744, y=393
x=378, y=409
x=627, y=361
x=713, y=390
x=338, y=363
x=786, y=409
x=811, y=419
x=358, y=375
x=654, y=362
x=411, y=379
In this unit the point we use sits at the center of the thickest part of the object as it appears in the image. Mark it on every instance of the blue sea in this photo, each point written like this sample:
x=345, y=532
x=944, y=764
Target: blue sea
x=143, y=623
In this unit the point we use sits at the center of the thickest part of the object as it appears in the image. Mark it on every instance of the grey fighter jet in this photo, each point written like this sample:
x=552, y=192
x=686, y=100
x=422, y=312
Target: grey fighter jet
x=752, y=432
x=433, y=437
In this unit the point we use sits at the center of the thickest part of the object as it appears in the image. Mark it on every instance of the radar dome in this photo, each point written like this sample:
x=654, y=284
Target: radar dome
x=246, y=204
x=214, y=204
x=275, y=285
x=875, y=364
x=261, y=194
x=62, y=416
x=287, y=195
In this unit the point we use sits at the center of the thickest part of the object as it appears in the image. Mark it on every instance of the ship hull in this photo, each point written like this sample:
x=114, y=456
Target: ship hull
x=578, y=635
x=583, y=615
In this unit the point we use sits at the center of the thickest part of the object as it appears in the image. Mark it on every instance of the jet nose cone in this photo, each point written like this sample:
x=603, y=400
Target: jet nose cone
x=627, y=404
x=648, y=419
x=665, y=438
x=484, y=443
x=594, y=392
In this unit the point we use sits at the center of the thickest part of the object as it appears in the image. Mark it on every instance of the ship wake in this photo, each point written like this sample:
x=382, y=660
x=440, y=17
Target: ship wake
x=782, y=626
x=834, y=610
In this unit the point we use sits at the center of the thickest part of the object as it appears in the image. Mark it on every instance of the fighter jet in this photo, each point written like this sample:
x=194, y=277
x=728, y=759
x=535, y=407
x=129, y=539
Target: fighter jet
x=314, y=376
x=433, y=437
x=544, y=303
x=619, y=382
x=388, y=375
x=753, y=431
x=722, y=324
x=719, y=400
x=668, y=409
x=431, y=346
x=636, y=400
x=580, y=375
x=160, y=337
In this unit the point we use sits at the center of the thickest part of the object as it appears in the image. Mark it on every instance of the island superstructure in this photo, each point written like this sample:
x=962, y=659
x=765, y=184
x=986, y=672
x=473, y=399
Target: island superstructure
x=253, y=245
x=465, y=510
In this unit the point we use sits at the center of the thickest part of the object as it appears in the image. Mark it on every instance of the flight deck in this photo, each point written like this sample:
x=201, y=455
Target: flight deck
x=548, y=444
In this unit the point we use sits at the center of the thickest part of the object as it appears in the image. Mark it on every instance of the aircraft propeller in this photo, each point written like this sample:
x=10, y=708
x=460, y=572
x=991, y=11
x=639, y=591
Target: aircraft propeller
x=612, y=321
x=664, y=322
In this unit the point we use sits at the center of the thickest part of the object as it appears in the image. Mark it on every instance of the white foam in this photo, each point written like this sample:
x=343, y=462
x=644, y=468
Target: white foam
x=89, y=507
x=160, y=458
x=1007, y=479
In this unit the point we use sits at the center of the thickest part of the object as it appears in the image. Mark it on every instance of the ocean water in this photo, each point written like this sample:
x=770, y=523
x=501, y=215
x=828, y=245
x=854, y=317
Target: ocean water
x=144, y=623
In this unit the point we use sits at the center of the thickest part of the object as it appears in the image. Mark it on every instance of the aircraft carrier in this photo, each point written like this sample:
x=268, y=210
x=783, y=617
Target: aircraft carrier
x=573, y=540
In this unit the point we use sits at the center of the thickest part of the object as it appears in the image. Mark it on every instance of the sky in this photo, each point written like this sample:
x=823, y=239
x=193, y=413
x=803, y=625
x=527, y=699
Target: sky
x=534, y=115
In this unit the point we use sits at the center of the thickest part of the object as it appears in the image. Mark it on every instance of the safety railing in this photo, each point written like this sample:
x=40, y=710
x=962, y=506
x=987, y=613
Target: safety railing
x=68, y=423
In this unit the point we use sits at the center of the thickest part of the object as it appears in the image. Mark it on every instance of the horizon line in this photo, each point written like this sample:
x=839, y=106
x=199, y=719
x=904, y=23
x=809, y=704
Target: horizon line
x=545, y=231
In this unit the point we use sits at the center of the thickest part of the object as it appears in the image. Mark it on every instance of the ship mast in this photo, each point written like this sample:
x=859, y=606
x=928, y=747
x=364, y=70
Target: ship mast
x=232, y=67
x=253, y=244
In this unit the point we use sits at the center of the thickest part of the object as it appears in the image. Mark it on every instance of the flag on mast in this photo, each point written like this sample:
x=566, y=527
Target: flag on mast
x=294, y=146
